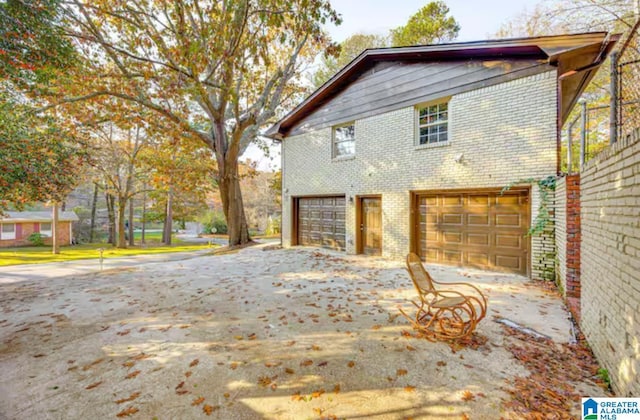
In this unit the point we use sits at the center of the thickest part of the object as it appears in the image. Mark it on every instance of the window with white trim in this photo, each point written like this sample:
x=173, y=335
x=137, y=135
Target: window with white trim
x=45, y=229
x=8, y=231
x=433, y=123
x=344, y=140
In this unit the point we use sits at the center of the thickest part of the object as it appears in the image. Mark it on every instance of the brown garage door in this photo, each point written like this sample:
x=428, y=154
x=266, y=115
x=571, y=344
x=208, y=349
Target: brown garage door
x=477, y=229
x=321, y=222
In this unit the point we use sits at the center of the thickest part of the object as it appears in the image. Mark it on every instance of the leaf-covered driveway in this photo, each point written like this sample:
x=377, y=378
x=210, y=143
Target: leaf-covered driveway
x=279, y=334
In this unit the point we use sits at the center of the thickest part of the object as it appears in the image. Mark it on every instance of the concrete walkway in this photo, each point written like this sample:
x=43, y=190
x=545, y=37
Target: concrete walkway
x=24, y=272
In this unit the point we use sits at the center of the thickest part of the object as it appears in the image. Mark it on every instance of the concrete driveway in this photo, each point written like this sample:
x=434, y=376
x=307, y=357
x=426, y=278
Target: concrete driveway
x=274, y=334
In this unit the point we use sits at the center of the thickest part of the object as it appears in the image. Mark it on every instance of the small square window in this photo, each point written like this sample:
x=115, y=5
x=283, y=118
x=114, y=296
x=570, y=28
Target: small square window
x=45, y=229
x=8, y=231
x=433, y=124
x=344, y=140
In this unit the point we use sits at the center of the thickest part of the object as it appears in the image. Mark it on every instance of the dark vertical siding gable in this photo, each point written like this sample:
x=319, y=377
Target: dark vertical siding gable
x=393, y=85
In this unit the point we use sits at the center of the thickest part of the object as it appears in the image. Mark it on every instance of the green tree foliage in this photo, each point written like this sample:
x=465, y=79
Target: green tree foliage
x=430, y=25
x=39, y=161
x=32, y=44
x=348, y=49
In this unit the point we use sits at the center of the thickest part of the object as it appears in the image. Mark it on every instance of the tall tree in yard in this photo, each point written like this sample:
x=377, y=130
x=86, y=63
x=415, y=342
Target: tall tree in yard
x=430, y=25
x=217, y=71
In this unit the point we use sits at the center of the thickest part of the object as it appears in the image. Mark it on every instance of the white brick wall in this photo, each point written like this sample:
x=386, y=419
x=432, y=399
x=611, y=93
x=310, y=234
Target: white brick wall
x=506, y=132
x=610, y=250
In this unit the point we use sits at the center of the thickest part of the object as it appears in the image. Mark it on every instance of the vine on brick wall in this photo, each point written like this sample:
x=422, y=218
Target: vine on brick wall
x=547, y=186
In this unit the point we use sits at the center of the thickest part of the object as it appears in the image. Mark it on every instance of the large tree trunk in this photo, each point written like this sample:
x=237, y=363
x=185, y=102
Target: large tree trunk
x=233, y=206
x=111, y=211
x=131, y=241
x=144, y=211
x=168, y=219
x=93, y=213
x=122, y=208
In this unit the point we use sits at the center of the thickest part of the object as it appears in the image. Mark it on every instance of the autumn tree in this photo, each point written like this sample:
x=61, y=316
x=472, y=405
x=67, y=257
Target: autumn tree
x=430, y=25
x=348, y=49
x=39, y=159
x=217, y=71
x=180, y=175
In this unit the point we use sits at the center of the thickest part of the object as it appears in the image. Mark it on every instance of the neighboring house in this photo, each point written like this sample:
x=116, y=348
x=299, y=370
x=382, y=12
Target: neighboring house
x=16, y=226
x=407, y=149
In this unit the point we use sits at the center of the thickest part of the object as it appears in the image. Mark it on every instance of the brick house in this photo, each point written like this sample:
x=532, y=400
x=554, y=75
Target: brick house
x=407, y=149
x=16, y=226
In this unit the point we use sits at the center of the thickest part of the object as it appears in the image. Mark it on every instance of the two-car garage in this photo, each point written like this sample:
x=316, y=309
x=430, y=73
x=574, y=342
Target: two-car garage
x=479, y=228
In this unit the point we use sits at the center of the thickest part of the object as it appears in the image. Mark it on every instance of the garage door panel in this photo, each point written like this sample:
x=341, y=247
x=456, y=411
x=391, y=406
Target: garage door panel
x=452, y=219
x=480, y=229
x=509, y=241
x=478, y=219
x=321, y=222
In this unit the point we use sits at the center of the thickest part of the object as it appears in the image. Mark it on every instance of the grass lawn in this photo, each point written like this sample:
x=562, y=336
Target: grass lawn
x=42, y=254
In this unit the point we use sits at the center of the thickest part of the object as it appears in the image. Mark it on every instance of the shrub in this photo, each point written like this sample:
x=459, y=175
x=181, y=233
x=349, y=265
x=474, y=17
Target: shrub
x=213, y=222
x=36, y=239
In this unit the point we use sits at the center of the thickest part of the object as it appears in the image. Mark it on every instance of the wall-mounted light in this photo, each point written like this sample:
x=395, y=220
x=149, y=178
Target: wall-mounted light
x=458, y=158
x=351, y=200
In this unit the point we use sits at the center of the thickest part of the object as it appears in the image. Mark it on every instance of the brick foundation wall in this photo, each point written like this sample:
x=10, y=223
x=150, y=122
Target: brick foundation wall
x=610, y=266
x=504, y=133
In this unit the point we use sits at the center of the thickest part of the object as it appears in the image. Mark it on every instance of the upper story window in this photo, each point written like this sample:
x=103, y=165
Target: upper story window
x=433, y=123
x=45, y=229
x=344, y=140
x=8, y=231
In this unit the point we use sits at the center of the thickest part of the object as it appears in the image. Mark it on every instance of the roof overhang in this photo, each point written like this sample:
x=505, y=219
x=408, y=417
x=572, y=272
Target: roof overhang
x=577, y=57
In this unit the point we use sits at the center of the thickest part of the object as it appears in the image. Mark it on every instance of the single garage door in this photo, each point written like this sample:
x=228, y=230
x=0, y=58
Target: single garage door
x=476, y=229
x=321, y=222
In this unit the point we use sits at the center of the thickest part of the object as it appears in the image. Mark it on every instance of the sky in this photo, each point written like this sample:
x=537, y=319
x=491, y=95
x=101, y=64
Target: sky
x=478, y=20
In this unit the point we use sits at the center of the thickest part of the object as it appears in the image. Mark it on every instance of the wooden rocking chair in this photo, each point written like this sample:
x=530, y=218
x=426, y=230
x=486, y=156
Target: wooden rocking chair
x=445, y=314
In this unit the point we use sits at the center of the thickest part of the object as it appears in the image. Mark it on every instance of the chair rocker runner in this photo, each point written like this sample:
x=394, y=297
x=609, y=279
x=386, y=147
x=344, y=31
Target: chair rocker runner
x=444, y=314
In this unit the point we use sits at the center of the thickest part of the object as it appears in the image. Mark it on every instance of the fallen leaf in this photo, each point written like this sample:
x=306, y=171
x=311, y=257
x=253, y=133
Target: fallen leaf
x=322, y=364
x=209, y=409
x=264, y=381
x=468, y=396
x=376, y=327
x=127, y=412
x=129, y=364
x=401, y=372
x=319, y=410
x=316, y=348
x=90, y=365
x=197, y=401
x=297, y=397
x=411, y=348
x=187, y=373
x=318, y=393
x=129, y=398
x=289, y=371
x=306, y=363
x=93, y=385
x=336, y=389
x=132, y=374
x=409, y=388
x=182, y=392
x=180, y=385
x=441, y=363
x=194, y=363
x=226, y=395
x=125, y=332
x=351, y=364
x=274, y=387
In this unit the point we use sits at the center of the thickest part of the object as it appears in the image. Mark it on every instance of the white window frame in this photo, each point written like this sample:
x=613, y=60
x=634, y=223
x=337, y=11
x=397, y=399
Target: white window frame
x=436, y=115
x=334, y=142
x=7, y=235
x=46, y=232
